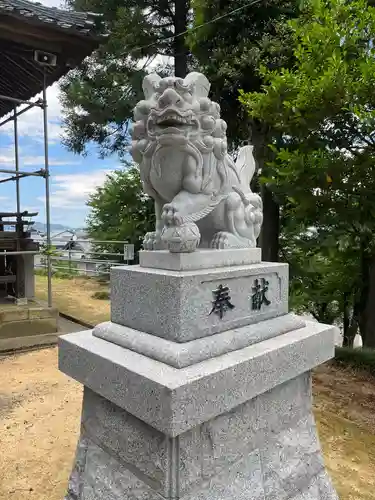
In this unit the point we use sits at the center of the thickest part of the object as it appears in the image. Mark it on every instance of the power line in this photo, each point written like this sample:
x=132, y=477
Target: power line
x=214, y=20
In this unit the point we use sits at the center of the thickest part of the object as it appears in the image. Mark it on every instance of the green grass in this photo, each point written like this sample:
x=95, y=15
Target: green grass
x=101, y=295
x=358, y=359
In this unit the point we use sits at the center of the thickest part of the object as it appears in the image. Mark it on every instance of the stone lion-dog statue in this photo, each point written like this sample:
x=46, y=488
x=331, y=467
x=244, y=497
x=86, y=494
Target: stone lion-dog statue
x=202, y=197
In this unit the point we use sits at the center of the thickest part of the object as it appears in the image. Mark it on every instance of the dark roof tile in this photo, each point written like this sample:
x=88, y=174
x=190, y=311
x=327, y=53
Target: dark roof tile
x=21, y=77
x=81, y=22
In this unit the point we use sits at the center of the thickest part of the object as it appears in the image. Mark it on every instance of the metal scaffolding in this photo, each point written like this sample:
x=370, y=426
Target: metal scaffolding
x=38, y=45
x=16, y=175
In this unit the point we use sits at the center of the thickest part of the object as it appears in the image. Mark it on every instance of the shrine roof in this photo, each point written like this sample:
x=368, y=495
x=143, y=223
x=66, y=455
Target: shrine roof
x=26, y=27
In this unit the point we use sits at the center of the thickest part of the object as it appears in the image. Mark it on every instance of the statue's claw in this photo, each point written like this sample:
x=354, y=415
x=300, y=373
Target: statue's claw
x=223, y=240
x=171, y=215
x=152, y=241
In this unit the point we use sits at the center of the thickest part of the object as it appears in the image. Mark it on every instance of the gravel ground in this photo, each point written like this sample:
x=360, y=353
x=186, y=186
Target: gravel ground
x=40, y=414
x=39, y=423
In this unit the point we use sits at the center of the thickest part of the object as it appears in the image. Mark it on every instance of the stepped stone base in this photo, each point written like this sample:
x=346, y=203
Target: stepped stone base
x=264, y=449
x=238, y=426
x=182, y=402
x=185, y=354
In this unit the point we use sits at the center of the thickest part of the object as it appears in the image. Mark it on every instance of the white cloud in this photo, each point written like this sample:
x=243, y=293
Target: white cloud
x=51, y=3
x=71, y=191
x=30, y=124
x=7, y=204
x=7, y=159
x=39, y=161
x=6, y=155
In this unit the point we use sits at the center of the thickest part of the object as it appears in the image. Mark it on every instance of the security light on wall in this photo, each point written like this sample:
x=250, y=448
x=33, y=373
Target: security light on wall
x=45, y=58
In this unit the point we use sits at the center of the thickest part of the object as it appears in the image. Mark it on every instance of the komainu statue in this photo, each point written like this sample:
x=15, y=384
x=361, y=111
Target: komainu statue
x=201, y=196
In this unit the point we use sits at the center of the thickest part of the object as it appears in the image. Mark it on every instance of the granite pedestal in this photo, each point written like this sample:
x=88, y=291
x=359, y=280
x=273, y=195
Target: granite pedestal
x=195, y=406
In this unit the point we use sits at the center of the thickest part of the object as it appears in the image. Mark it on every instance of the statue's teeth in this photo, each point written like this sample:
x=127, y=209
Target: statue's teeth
x=174, y=118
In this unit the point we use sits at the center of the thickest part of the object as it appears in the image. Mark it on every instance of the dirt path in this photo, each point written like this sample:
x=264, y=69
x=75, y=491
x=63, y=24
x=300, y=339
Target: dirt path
x=345, y=412
x=40, y=414
x=39, y=422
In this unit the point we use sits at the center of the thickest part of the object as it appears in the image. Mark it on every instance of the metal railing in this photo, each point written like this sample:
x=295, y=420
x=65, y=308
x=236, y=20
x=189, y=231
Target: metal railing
x=90, y=263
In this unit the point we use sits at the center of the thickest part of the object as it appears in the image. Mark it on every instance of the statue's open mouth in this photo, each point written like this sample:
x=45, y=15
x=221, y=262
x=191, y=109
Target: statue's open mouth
x=173, y=123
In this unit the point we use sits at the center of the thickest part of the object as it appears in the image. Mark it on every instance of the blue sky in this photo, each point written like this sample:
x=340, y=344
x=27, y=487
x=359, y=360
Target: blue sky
x=73, y=177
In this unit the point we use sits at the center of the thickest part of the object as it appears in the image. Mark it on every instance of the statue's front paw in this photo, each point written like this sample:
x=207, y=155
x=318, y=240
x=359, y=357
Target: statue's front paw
x=148, y=241
x=220, y=241
x=224, y=240
x=152, y=241
x=171, y=215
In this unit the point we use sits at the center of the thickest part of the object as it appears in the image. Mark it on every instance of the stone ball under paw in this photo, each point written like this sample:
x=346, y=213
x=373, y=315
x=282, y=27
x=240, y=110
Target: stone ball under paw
x=181, y=239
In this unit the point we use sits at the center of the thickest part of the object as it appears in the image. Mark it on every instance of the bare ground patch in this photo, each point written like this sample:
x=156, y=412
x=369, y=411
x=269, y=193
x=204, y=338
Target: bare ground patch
x=40, y=425
x=74, y=297
x=38, y=433
x=40, y=414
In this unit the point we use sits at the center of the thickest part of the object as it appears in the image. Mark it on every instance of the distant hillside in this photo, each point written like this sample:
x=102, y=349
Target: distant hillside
x=42, y=228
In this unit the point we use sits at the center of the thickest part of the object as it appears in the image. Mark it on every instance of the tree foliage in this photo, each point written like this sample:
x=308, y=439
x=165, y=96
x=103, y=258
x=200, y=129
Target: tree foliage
x=98, y=97
x=230, y=52
x=120, y=211
x=323, y=107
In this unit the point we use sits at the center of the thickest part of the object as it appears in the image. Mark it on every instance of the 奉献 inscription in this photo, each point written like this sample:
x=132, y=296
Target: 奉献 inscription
x=221, y=302
x=259, y=289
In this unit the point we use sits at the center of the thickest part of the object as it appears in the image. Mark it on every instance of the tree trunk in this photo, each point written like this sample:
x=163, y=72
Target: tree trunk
x=368, y=333
x=180, y=50
x=360, y=304
x=348, y=340
x=346, y=320
x=269, y=237
x=350, y=324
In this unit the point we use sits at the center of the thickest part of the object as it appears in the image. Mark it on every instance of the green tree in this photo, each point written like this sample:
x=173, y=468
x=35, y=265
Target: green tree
x=230, y=51
x=120, y=211
x=323, y=107
x=98, y=97
x=323, y=272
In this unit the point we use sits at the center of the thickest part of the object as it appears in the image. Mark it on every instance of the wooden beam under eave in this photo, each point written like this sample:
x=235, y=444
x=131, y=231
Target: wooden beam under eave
x=43, y=37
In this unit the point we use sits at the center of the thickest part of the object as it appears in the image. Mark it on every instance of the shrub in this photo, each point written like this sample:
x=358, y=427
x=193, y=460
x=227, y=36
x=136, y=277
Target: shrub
x=62, y=274
x=40, y=272
x=102, y=295
x=359, y=359
x=102, y=280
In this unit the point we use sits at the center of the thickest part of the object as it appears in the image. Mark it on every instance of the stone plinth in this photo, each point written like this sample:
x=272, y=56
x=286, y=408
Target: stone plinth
x=176, y=305
x=264, y=449
x=200, y=404
x=236, y=426
x=179, y=354
x=204, y=259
